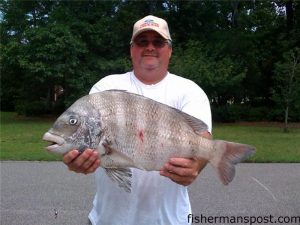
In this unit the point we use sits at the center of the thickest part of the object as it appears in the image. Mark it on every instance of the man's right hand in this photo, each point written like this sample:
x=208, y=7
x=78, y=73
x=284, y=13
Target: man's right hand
x=86, y=162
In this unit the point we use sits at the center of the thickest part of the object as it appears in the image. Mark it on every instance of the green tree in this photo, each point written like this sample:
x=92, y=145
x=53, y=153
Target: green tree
x=54, y=61
x=286, y=91
x=230, y=48
x=219, y=77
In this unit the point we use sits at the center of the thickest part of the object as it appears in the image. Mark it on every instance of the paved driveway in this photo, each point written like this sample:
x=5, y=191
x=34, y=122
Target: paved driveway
x=46, y=193
x=258, y=192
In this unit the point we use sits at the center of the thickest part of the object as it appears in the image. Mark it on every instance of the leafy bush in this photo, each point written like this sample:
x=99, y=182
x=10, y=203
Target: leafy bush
x=33, y=108
x=238, y=112
x=225, y=113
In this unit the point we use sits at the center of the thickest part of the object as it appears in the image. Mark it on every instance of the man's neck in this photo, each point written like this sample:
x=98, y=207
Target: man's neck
x=150, y=77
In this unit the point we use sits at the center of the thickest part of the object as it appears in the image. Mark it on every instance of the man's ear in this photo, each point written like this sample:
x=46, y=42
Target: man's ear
x=170, y=53
x=130, y=51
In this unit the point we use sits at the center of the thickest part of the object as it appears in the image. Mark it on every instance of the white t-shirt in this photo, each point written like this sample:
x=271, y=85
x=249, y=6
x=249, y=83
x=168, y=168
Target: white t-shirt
x=154, y=199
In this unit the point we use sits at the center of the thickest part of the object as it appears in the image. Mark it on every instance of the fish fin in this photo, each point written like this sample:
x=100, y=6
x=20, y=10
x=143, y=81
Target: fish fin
x=122, y=176
x=227, y=155
x=115, y=158
x=198, y=125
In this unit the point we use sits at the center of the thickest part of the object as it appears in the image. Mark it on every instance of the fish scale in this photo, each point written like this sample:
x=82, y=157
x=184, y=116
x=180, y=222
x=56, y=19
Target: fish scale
x=132, y=131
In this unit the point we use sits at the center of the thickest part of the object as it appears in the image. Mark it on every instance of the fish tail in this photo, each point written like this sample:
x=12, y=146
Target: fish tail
x=227, y=155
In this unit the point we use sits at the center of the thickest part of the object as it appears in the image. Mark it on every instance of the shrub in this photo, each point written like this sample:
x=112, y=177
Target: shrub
x=33, y=108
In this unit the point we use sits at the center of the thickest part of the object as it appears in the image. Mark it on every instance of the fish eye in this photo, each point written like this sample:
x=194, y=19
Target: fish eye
x=73, y=121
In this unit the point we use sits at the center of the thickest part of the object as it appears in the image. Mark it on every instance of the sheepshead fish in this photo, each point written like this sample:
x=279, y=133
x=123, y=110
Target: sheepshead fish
x=130, y=130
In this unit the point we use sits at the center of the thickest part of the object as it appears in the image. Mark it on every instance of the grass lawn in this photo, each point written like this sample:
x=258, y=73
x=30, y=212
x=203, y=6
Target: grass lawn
x=272, y=144
x=21, y=139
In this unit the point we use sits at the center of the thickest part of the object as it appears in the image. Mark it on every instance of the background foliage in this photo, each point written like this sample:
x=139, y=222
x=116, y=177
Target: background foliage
x=242, y=53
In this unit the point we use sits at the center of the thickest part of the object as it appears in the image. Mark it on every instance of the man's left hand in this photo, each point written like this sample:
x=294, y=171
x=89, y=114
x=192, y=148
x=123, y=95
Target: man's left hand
x=182, y=170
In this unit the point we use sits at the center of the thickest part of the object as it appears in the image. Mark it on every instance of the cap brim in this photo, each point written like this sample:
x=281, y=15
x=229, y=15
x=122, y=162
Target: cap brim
x=148, y=29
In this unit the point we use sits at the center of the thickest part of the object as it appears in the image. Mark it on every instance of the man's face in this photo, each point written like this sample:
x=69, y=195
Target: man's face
x=150, y=52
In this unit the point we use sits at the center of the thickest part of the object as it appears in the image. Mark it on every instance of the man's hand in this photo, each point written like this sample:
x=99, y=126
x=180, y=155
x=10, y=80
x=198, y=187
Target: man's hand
x=86, y=162
x=182, y=170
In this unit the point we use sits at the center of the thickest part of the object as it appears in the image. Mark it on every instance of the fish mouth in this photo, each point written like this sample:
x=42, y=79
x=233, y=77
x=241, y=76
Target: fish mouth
x=54, y=141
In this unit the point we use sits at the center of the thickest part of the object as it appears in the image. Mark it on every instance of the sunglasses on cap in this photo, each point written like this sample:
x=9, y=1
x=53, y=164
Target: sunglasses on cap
x=157, y=43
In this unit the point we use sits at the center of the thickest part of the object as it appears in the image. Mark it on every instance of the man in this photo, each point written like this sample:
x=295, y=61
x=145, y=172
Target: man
x=157, y=198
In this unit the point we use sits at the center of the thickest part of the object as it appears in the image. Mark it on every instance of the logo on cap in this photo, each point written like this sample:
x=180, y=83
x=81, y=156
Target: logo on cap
x=149, y=22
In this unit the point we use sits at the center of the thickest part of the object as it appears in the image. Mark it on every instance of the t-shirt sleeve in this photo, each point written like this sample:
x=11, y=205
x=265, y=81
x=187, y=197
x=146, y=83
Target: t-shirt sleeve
x=115, y=81
x=196, y=103
x=101, y=85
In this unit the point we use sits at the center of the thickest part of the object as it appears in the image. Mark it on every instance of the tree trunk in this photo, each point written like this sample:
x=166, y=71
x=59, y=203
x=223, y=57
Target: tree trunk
x=286, y=129
x=289, y=15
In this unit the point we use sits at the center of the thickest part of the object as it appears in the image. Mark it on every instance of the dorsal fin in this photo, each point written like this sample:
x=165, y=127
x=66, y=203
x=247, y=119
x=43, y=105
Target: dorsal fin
x=198, y=125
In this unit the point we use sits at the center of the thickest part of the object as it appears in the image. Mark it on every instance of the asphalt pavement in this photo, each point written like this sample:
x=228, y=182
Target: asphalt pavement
x=47, y=193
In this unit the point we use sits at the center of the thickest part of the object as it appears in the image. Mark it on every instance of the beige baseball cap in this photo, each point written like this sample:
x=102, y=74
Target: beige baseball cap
x=151, y=23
